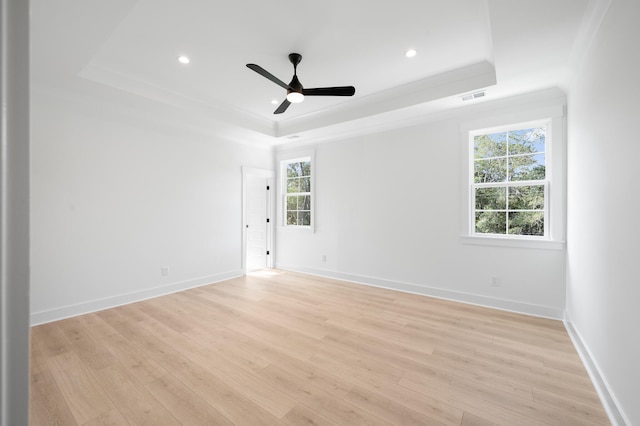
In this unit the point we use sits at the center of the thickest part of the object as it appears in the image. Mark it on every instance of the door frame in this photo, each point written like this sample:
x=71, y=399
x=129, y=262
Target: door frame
x=270, y=176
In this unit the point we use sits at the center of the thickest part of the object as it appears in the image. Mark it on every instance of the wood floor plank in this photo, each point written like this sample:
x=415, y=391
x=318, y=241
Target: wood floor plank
x=382, y=350
x=137, y=405
x=267, y=335
x=387, y=409
x=225, y=399
x=227, y=348
x=83, y=393
x=167, y=313
x=301, y=415
x=50, y=340
x=277, y=347
x=469, y=419
x=97, y=327
x=82, y=342
x=242, y=380
x=111, y=418
x=304, y=370
x=517, y=404
x=362, y=367
x=47, y=403
x=337, y=409
x=184, y=404
x=137, y=362
x=586, y=411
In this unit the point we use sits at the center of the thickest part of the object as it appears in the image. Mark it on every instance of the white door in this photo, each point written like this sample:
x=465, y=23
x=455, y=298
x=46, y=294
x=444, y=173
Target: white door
x=257, y=186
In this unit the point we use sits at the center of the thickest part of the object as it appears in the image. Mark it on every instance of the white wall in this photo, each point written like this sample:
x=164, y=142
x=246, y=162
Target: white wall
x=388, y=214
x=603, y=282
x=115, y=198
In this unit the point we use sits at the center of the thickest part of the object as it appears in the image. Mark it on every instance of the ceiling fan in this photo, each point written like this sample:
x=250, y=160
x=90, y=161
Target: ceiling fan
x=295, y=91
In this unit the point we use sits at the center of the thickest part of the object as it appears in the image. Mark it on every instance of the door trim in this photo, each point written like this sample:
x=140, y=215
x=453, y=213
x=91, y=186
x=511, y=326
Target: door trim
x=269, y=175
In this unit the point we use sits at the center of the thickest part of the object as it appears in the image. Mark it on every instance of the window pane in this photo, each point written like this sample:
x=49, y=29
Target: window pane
x=305, y=184
x=527, y=141
x=527, y=167
x=293, y=185
x=490, y=170
x=292, y=169
x=304, y=202
x=491, y=222
x=292, y=218
x=491, y=199
x=526, y=197
x=292, y=202
x=305, y=168
x=304, y=218
x=297, y=202
x=493, y=145
x=526, y=223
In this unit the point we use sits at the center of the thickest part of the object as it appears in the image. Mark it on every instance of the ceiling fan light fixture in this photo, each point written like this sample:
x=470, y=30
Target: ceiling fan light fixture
x=295, y=97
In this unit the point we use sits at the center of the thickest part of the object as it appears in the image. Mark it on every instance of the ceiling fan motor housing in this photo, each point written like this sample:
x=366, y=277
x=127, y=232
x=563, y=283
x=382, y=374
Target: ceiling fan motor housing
x=295, y=84
x=295, y=59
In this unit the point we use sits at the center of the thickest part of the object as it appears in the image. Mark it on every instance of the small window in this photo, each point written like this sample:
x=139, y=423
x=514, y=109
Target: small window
x=297, y=192
x=509, y=181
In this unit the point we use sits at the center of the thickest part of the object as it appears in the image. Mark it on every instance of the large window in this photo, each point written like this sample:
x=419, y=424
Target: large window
x=509, y=181
x=297, y=192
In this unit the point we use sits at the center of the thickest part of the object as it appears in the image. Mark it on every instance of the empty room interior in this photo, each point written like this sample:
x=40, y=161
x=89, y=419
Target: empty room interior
x=362, y=212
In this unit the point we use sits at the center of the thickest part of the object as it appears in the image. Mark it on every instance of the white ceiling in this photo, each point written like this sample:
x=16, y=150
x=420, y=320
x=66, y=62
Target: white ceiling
x=506, y=47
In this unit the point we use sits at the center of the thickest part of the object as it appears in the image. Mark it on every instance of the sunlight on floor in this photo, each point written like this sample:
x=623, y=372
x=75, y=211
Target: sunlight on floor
x=265, y=273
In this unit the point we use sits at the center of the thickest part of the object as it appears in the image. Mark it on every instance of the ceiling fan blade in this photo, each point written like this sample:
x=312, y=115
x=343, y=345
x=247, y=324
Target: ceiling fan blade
x=283, y=107
x=330, y=91
x=266, y=74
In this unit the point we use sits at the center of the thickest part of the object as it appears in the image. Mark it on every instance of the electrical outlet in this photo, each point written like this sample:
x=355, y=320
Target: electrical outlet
x=164, y=271
x=324, y=257
x=495, y=282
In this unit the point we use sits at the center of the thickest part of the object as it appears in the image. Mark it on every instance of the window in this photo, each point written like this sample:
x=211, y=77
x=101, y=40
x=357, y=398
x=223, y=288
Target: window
x=509, y=181
x=297, y=192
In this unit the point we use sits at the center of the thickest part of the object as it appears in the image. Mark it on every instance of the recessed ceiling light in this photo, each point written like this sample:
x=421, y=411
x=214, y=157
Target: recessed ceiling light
x=183, y=59
x=274, y=101
x=410, y=53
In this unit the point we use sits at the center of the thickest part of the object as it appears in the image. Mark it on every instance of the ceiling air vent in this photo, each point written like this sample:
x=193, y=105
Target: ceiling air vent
x=471, y=96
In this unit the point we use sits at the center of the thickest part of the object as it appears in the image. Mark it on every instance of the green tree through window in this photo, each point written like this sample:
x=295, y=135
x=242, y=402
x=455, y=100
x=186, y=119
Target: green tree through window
x=509, y=181
x=298, y=193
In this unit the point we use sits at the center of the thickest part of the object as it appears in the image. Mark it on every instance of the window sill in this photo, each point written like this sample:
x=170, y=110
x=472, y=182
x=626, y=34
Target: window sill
x=512, y=242
x=295, y=228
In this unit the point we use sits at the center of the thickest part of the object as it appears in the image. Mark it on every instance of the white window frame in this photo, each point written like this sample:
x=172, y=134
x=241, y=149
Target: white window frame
x=507, y=184
x=282, y=179
x=554, y=182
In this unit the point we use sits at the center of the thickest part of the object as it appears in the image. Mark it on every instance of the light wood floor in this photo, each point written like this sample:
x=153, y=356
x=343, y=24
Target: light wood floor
x=284, y=348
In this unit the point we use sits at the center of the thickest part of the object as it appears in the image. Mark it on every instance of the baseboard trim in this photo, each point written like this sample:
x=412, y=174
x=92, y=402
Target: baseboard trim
x=609, y=402
x=56, y=314
x=473, y=299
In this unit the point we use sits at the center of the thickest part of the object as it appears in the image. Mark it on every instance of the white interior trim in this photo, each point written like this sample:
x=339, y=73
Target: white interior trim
x=123, y=299
x=440, y=293
x=512, y=242
x=270, y=175
x=609, y=401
